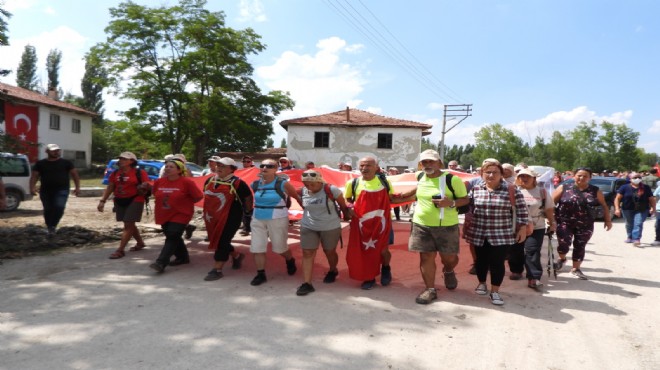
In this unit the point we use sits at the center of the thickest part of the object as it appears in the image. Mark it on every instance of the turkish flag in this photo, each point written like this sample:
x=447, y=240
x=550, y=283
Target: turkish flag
x=369, y=234
x=22, y=122
x=218, y=199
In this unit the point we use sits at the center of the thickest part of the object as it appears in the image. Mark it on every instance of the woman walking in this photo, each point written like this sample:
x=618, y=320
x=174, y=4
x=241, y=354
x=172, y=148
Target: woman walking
x=635, y=201
x=175, y=198
x=129, y=185
x=492, y=230
x=575, y=218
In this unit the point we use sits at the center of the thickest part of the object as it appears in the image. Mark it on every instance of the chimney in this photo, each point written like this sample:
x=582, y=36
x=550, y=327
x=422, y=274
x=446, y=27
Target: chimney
x=348, y=115
x=52, y=93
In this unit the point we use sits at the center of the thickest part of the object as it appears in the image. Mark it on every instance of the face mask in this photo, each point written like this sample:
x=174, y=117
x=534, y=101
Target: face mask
x=636, y=181
x=429, y=171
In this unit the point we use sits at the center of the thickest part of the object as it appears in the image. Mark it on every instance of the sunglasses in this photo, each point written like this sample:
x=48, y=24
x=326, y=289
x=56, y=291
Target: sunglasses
x=267, y=166
x=309, y=174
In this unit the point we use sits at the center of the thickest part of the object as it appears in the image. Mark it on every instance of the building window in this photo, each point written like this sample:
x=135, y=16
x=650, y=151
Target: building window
x=384, y=141
x=54, y=122
x=321, y=140
x=75, y=126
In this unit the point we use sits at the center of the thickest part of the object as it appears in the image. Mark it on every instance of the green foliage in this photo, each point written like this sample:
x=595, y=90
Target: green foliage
x=4, y=34
x=53, y=69
x=94, y=79
x=190, y=75
x=270, y=143
x=495, y=141
x=283, y=143
x=426, y=144
x=26, y=76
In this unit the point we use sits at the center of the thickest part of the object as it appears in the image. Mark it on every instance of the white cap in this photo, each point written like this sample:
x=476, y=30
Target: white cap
x=429, y=154
x=526, y=171
x=52, y=147
x=214, y=158
x=227, y=161
x=128, y=155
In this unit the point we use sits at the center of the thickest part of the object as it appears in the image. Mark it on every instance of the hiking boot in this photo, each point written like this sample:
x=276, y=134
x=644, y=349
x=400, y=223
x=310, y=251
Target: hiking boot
x=157, y=267
x=481, y=289
x=515, y=276
x=427, y=296
x=385, y=275
x=534, y=284
x=291, y=266
x=559, y=264
x=496, y=299
x=178, y=262
x=259, y=279
x=305, y=289
x=450, y=280
x=578, y=274
x=213, y=275
x=189, y=230
x=330, y=277
x=473, y=270
x=237, y=262
x=368, y=285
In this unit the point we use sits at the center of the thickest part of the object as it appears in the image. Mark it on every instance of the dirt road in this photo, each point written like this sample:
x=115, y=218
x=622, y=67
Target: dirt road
x=80, y=310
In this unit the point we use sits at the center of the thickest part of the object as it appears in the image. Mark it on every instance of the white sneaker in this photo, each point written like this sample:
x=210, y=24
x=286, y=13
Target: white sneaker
x=481, y=289
x=655, y=243
x=496, y=299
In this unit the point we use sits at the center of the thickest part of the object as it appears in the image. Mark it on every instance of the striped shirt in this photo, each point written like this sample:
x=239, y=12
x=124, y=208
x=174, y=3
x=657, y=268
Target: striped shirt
x=492, y=215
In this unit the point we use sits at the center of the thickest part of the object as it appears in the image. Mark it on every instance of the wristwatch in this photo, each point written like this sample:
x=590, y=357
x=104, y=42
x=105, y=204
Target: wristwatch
x=453, y=204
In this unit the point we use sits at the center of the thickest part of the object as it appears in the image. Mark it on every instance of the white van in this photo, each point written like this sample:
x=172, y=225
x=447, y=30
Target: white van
x=15, y=170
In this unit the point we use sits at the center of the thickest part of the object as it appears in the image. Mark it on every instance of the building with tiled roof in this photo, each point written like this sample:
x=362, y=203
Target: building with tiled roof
x=350, y=134
x=36, y=120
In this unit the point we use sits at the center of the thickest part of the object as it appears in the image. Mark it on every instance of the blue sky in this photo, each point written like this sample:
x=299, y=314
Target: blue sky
x=533, y=66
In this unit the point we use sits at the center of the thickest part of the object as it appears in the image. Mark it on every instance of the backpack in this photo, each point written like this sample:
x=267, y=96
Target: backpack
x=278, y=188
x=138, y=175
x=461, y=209
x=231, y=185
x=381, y=177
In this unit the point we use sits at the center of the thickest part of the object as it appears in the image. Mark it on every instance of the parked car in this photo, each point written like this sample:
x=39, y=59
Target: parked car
x=151, y=166
x=607, y=185
x=15, y=170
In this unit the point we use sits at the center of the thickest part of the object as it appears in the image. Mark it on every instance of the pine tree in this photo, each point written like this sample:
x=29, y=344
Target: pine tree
x=53, y=68
x=26, y=76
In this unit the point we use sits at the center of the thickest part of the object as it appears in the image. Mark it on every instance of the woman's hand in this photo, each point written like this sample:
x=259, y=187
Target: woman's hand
x=521, y=235
x=607, y=225
x=617, y=212
x=101, y=205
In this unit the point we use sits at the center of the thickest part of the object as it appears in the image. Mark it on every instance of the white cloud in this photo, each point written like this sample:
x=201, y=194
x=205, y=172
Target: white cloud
x=435, y=106
x=655, y=127
x=374, y=110
x=50, y=10
x=14, y=5
x=251, y=10
x=318, y=83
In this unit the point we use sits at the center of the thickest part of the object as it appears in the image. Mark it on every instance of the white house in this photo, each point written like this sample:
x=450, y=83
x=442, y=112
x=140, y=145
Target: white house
x=37, y=120
x=348, y=135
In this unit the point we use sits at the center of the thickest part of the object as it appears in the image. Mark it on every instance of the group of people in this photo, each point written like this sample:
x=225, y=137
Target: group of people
x=509, y=214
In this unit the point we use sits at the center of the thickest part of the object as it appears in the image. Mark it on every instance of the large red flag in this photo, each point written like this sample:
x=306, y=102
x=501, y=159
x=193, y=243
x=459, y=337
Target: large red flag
x=369, y=234
x=218, y=199
x=22, y=122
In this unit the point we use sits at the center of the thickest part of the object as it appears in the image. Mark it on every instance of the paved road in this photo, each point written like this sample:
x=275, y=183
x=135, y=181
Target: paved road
x=80, y=310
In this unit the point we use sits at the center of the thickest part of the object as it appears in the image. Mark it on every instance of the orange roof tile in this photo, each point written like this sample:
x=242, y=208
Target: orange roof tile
x=353, y=117
x=18, y=94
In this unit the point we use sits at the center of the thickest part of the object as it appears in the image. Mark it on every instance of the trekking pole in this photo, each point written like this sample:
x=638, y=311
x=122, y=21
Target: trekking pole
x=551, y=255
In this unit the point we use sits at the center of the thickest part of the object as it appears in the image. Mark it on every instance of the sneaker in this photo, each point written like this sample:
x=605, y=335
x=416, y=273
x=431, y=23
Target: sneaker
x=330, y=277
x=473, y=270
x=213, y=275
x=427, y=296
x=189, y=230
x=534, y=284
x=369, y=284
x=637, y=243
x=655, y=243
x=291, y=266
x=559, y=264
x=385, y=275
x=244, y=233
x=305, y=289
x=178, y=262
x=481, y=289
x=450, y=280
x=515, y=276
x=628, y=241
x=157, y=267
x=259, y=279
x=237, y=262
x=578, y=274
x=496, y=299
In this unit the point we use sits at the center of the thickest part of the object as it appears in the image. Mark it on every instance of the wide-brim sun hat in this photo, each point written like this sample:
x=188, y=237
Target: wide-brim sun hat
x=312, y=176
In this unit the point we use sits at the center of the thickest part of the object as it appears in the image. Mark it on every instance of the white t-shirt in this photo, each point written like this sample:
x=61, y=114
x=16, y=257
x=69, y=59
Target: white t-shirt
x=315, y=214
x=534, y=201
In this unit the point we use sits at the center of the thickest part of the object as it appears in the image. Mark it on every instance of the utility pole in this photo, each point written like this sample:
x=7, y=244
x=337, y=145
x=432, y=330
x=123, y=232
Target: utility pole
x=452, y=111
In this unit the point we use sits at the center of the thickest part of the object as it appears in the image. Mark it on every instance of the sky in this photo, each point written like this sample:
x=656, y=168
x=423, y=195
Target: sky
x=533, y=66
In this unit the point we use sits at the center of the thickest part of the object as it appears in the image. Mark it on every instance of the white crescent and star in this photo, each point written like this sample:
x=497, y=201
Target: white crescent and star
x=23, y=117
x=221, y=197
x=371, y=243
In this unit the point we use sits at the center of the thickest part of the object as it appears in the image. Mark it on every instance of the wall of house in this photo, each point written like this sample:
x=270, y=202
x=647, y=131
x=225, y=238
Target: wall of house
x=76, y=147
x=349, y=144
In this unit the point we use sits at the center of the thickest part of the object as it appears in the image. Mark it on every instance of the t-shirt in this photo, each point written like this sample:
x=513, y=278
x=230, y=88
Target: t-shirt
x=316, y=206
x=631, y=196
x=533, y=198
x=651, y=181
x=371, y=185
x=268, y=204
x=126, y=184
x=54, y=175
x=426, y=213
x=175, y=200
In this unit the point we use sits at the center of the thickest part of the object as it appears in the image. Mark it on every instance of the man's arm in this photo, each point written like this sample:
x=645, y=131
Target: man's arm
x=76, y=181
x=33, y=182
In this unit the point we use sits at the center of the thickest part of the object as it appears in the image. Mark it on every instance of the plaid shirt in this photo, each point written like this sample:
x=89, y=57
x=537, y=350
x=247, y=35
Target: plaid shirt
x=492, y=218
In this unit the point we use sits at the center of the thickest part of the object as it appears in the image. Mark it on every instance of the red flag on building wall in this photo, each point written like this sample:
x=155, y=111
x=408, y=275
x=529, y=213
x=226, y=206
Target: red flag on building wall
x=22, y=122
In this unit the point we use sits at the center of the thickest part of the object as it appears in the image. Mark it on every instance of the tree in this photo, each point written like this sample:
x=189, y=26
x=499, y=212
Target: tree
x=495, y=141
x=190, y=76
x=26, y=76
x=270, y=143
x=53, y=69
x=426, y=144
x=283, y=143
x=4, y=34
x=618, y=144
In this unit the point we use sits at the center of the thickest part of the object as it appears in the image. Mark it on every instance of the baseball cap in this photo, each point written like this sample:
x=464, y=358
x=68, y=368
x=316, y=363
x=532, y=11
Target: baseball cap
x=52, y=147
x=429, y=154
x=128, y=155
x=227, y=161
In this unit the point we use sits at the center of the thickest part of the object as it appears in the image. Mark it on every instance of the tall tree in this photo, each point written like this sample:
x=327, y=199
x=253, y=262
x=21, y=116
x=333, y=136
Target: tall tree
x=26, y=76
x=53, y=62
x=4, y=34
x=618, y=144
x=92, y=83
x=495, y=141
x=283, y=143
x=190, y=76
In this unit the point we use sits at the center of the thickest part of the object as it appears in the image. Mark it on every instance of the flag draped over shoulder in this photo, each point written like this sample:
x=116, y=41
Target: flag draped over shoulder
x=218, y=199
x=369, y=234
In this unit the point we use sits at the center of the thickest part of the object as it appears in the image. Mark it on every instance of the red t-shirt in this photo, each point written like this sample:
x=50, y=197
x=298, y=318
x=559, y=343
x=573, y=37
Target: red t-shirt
x=175, y=200
x=126, y=184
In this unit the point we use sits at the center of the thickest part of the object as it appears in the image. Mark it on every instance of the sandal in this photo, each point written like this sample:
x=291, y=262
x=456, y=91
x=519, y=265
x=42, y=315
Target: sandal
x=117, y=254
x=137, y=247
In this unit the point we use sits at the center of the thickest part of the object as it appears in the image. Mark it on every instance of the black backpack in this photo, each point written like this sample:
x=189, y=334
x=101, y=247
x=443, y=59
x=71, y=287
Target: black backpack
x=462, y=209
x=278, y=184
x=381, y=176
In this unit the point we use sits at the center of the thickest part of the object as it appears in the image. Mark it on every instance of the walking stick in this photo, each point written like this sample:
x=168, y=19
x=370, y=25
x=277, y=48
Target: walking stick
x=551, y=255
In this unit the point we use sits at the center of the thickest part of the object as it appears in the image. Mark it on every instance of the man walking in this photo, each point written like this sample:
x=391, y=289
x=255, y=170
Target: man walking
x=55, y=174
